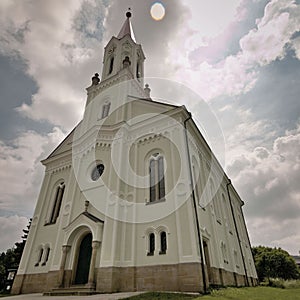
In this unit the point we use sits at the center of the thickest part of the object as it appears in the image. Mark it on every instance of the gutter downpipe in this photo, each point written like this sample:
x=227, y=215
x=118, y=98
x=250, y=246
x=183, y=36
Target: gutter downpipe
x=195, y=205
x=236, y=230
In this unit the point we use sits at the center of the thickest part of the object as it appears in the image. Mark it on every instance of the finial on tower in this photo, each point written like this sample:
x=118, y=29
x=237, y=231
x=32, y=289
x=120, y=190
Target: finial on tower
x=128, y=13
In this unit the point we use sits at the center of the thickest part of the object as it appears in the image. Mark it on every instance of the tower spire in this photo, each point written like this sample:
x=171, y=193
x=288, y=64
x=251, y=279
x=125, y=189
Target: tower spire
x=127, y=27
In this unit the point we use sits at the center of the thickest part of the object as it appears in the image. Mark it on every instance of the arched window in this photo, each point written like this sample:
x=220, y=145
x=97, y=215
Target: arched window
x=105, y=110
x=138, y=73
x=111, y=65
x=151, y=244
x=215, y=200
x=163, y=242
x=40, y=255
x=157, y=180
x=196, y=181
x=46, y=256
x=224, y=252
x=57, y=203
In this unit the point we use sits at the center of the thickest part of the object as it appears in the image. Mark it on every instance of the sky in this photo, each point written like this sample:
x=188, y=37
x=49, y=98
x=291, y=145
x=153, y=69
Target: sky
x=241, y=56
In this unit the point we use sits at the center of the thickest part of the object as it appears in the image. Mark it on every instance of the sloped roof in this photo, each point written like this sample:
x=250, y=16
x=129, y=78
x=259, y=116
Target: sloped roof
x=126, y=30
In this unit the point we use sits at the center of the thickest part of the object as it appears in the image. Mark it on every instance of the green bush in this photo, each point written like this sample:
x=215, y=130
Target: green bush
x=281, y=283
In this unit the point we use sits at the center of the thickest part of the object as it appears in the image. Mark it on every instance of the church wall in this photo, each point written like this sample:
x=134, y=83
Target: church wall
x=216, y=217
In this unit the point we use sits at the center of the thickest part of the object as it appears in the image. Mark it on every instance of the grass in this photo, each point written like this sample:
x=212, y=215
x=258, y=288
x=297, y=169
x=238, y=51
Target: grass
x=252, y=293
x=256, y=293
x=162, y=296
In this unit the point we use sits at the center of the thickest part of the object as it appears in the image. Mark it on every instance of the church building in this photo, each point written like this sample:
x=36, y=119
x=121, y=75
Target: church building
x=133, y=199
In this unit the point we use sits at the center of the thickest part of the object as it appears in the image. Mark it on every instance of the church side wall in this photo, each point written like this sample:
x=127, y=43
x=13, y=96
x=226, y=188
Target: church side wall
x=216, y=219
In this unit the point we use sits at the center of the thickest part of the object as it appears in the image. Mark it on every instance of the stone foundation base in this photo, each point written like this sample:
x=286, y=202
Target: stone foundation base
x=186, y=277
x=35, y=283
x=180, y=277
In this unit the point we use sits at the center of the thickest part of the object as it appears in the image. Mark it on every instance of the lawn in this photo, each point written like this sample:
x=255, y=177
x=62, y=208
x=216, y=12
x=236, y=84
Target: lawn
x=257, y=293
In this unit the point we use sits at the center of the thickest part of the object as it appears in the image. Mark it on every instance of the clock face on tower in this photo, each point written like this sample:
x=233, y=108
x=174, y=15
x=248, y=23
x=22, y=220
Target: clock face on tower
x=97, y=172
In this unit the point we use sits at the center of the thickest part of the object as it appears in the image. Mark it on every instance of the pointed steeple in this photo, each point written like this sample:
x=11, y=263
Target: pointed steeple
x=127, y=28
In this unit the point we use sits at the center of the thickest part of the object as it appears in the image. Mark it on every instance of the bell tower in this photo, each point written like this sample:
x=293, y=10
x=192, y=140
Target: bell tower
x=123, y=53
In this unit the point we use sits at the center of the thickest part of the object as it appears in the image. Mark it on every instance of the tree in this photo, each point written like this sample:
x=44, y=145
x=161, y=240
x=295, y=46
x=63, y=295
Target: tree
x=274, y=263
x=12, y=257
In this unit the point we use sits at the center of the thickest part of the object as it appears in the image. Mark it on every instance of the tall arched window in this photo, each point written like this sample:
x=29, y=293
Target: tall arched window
x=57, y=203
x=224, y=252
x=215, y=200
x=151, y=244
x=163, y=242
x=138, y=73
x=157, y=180
x=105, y=110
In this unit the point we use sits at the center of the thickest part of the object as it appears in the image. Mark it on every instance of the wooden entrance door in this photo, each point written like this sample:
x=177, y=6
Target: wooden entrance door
x=84, y=259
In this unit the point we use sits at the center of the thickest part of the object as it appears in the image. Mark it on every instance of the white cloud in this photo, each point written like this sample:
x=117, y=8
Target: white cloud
x=202, y=23
x=235, y=74
x=59, y=46
x=268, y=181
x=274, y=32
x=11, y=231
x=21, y=171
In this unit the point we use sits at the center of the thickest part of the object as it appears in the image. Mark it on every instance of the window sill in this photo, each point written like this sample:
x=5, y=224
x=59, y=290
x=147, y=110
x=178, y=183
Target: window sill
x=150, y=253
x=162, y=252
x=156, y=201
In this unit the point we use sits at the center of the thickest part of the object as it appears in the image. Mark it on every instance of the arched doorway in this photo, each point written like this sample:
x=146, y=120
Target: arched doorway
x=84, y=259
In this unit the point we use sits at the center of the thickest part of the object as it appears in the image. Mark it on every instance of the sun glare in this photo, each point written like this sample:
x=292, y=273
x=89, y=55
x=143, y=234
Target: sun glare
x=157, y=11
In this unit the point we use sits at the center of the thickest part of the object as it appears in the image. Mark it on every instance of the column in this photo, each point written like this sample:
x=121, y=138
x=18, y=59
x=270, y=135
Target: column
x=91, y=281
x=65, y=250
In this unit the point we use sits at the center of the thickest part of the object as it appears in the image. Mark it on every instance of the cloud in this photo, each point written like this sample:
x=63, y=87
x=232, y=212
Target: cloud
x=268, y=181
x=273, y=34
x=202, y=67
x=11, y=231
x=21, y=170
x=59, y=45
x=296, y=46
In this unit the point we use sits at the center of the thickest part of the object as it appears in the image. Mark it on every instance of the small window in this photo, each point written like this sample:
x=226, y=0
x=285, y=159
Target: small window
x=46, y=256
x=157, y=180
x=105, y=110
x=57, y=203
x=97, y=172
x=40, y=255
x=111, y=65
x=151, y=244
x=163, y=242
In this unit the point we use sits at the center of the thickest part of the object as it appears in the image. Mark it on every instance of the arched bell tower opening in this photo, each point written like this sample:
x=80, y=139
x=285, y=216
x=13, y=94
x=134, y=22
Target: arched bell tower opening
x=83, y=260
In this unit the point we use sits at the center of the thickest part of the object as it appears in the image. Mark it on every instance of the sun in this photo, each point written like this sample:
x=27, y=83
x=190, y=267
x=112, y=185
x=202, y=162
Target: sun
x=157, y=11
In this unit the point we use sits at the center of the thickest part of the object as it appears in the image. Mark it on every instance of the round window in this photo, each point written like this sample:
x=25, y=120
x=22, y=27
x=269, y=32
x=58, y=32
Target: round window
x=97, y=172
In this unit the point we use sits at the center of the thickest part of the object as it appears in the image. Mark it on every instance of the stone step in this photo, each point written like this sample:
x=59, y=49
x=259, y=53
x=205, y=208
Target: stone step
x=71, y=291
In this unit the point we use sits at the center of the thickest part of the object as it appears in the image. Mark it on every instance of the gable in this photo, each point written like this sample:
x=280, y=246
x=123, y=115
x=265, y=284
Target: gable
x=64, y=146
x=140, y=107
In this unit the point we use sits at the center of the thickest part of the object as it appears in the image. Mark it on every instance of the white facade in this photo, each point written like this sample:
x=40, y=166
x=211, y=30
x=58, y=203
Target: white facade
x=162, y=215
